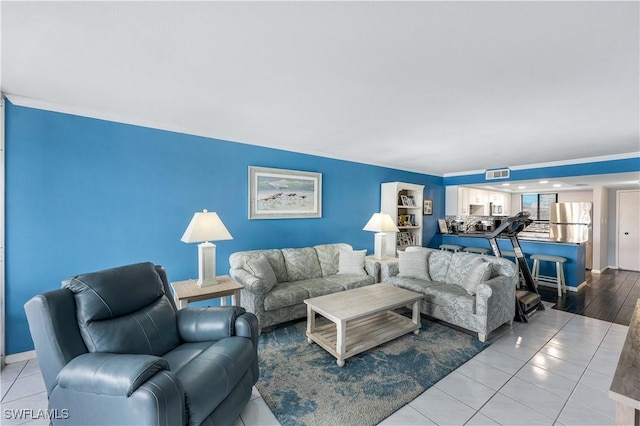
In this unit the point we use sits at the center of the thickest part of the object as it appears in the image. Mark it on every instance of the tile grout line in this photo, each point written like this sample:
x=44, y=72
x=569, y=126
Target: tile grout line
x=517, y=371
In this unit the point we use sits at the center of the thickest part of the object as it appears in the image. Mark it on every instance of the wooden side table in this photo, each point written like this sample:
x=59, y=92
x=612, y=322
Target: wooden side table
x=188, y=291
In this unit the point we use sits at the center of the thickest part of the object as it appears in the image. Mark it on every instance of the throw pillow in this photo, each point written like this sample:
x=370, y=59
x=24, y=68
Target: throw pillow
x=413, y=264
x=351, y=262
x=480, y=271
x=261, y=268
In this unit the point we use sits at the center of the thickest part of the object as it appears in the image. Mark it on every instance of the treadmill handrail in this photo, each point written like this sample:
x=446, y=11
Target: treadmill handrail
x=511, y=226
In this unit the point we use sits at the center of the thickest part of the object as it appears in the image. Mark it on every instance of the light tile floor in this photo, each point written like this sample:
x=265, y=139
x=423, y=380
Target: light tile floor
x=556, y=369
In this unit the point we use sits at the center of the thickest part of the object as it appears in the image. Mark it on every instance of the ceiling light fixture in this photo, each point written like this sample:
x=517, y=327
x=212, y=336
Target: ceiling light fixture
x=556, y=185
x=544, y=181
x=521, y=187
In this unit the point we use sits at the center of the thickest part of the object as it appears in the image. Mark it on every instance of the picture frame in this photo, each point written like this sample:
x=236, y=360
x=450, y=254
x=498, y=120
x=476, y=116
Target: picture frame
x=284, y=194
x=405, y=200
x=428, y=207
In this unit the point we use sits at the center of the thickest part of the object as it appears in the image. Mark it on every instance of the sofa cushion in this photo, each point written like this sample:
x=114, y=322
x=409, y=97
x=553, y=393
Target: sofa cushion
x=284, y=295
x=328, y=256
x=352, y=262
x=450, y=296
x=240, y=259
x=320, y=286
x=347, y=282
x=479, y=272
x=439, y=264
x=460, y=265
x=261, y=268
x=302, y=263
x=413, y=264
x=501, y=266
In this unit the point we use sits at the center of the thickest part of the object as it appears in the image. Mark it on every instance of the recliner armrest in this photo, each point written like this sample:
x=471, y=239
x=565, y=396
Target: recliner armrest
x=109, y=373
x=207, y=323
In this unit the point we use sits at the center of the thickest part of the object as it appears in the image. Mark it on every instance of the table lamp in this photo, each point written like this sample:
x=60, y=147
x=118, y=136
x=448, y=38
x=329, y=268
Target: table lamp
x=380, y=223
x=204, y=227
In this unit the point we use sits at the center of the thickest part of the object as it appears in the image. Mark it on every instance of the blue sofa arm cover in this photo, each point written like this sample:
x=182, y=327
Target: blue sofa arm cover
x=207, y=323
x=109, y=374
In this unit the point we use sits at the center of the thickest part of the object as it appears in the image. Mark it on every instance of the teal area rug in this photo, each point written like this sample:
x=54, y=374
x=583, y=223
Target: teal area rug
x=302, y=384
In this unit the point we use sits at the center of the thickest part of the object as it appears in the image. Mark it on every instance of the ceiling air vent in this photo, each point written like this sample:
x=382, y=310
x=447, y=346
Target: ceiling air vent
x=497, y=174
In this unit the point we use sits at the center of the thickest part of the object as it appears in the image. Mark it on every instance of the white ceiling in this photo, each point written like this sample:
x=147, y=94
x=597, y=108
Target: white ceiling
x=432, y=87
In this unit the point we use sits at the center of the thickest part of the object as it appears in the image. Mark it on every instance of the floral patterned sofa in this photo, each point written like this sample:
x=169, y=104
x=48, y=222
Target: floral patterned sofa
x=472, y=291
x=277, y=281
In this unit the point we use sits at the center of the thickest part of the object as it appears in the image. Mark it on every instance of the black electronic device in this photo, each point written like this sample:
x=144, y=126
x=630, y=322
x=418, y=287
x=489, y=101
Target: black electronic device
x=528, y=301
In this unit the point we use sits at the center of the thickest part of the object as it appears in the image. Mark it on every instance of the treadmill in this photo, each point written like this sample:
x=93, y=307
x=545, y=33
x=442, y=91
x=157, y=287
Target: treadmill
x=528, y=301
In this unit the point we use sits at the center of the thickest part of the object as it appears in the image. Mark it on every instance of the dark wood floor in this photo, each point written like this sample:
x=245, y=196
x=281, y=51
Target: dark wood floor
x=610, y=296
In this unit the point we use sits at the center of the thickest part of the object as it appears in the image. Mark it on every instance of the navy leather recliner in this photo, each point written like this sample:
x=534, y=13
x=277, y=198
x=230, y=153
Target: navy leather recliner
x=113, y=349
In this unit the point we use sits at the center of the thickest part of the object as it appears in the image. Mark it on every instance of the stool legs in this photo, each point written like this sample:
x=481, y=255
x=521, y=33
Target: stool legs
x=560, y=281
x=562, y=285
x=536, y=271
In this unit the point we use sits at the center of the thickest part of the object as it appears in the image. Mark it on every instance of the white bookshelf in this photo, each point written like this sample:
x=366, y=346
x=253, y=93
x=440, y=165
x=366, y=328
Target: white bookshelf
x=403, y=202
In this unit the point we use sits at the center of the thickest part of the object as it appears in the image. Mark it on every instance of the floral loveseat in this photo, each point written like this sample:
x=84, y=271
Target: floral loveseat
x=277, y=281
x=472, y=291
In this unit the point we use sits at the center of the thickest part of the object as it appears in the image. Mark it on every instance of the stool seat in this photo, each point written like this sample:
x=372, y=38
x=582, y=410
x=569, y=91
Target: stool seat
x=507, y=253
x=548, y=258
x=478, y=250
x=453, y=247
x=558, y=279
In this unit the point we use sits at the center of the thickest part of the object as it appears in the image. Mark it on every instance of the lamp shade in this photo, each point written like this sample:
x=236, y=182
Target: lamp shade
x=380, y=222
x=205, y=226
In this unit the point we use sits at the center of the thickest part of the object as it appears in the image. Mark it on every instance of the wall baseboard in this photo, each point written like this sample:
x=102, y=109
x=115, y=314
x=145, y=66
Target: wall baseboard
x=21, y=356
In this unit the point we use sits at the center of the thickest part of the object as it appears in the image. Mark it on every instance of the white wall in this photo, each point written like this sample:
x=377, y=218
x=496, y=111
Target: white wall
x=600, y=229
x=575, y=196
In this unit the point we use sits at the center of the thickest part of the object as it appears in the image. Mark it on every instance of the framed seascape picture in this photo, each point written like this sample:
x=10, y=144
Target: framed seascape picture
x=284, y=194
x=428, y=207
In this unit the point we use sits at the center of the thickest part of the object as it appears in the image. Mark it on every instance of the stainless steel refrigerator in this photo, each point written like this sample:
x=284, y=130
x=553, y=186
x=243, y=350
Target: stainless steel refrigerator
x=572, y=223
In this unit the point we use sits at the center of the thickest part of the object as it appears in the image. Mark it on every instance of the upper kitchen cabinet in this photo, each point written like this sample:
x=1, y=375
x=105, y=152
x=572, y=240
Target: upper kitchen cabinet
x=478, y=197
x=467, y=201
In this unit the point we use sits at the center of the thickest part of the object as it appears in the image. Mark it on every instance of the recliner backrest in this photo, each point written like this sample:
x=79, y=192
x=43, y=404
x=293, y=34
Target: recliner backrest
x=125, y=310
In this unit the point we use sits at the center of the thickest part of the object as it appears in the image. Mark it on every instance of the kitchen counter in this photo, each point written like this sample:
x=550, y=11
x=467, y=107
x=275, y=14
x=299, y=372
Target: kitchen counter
x=532, y=237
x=575, y=253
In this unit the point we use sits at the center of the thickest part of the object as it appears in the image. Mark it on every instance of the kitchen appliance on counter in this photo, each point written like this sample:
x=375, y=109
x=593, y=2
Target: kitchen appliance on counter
x=572, y=223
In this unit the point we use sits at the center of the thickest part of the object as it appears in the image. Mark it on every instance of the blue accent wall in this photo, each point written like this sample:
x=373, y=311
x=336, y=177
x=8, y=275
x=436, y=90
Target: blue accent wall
x=84, y=194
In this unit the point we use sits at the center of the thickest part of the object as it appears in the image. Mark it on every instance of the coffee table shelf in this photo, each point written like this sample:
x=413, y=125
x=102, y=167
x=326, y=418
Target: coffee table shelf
x=361, y=318
x=363, y=334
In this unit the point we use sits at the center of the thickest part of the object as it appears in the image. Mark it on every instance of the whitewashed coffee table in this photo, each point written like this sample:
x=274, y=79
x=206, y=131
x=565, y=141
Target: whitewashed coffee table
x=362, y=318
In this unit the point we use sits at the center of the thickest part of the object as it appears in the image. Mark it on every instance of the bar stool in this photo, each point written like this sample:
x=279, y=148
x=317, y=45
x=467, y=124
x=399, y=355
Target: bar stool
x=558, y=279
x=478, y=250
x=452, y=247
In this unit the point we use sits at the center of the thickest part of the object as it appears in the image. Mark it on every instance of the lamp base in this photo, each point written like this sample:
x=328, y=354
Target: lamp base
x=380, y=246
x=206, y=283
x=206, y=265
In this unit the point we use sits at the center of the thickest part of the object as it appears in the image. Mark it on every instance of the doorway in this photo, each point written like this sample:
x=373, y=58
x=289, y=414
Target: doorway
x=628, y=251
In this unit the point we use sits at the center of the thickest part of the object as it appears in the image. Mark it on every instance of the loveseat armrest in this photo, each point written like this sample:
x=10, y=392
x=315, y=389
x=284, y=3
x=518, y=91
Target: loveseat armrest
x=495, y=300
x=109, y=373
x=389, y=269
x=249, y=281
x=208, y=323
x=372, y=267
